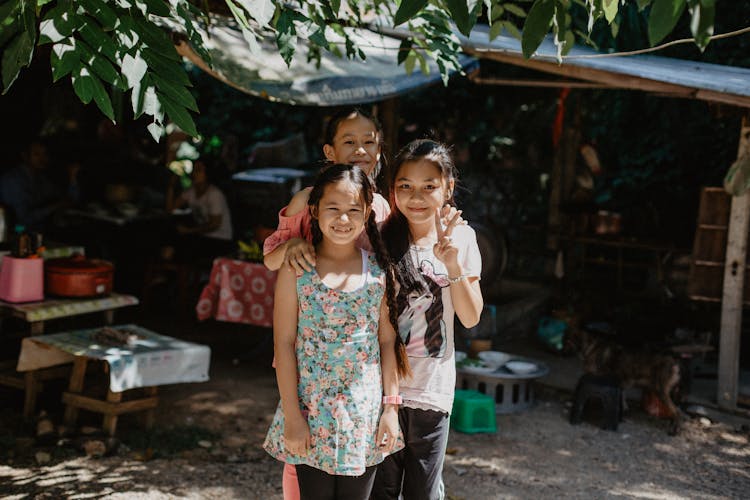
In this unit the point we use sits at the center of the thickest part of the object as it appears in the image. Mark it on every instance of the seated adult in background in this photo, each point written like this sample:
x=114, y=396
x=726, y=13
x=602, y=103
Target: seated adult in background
x=210, y=234
x=28, y=190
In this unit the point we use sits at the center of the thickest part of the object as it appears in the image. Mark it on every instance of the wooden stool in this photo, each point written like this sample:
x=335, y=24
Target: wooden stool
x=112, y=407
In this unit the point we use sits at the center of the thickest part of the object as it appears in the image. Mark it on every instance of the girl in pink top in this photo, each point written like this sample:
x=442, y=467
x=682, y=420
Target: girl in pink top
x=352, y=137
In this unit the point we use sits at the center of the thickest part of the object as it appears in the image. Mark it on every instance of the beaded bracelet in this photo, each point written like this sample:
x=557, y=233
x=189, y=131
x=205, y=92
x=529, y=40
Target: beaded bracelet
x=456, y=279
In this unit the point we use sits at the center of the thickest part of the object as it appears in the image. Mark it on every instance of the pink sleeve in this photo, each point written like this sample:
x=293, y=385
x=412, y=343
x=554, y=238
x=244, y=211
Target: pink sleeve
x=295, y=226
x=381, y=207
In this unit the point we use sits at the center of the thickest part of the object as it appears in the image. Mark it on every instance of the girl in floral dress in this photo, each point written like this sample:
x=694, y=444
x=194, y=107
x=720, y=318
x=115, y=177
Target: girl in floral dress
x=338, y=358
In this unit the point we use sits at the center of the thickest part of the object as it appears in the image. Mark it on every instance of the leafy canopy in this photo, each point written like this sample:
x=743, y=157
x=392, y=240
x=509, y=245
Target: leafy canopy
x=108, y=47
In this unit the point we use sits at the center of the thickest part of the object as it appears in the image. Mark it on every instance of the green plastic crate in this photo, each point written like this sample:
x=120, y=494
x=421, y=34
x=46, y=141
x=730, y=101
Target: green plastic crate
x=473, y=412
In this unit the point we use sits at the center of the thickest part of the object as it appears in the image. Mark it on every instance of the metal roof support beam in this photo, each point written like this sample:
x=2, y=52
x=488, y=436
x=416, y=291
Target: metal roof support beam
x=607, y=78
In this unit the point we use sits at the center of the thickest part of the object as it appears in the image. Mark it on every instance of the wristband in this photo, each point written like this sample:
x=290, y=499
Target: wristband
x=393, y=400
x=456, y=279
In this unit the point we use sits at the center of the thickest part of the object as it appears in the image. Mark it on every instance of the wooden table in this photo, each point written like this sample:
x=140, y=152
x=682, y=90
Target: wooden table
x=36, y=313
x=150, y=361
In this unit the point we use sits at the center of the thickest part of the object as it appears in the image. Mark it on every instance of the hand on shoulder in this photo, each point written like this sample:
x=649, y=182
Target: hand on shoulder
x=298, y=202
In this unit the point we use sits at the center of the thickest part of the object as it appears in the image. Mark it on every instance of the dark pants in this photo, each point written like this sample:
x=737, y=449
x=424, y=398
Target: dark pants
x=314, y=484
x=417, y=470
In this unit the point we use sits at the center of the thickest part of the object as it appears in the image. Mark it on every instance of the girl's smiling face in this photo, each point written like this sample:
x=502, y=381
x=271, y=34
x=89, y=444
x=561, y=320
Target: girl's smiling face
x=356, y=143
x=420, y=191
x=341, y=213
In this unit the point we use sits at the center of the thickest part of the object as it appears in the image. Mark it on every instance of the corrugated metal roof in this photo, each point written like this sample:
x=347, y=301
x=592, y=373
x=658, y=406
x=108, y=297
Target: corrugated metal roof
x=700, y=80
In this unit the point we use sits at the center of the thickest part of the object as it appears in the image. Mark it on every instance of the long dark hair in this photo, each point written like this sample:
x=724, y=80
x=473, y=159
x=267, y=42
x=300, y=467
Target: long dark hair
x=349, y=173
x=395, y=229
x=346, y=113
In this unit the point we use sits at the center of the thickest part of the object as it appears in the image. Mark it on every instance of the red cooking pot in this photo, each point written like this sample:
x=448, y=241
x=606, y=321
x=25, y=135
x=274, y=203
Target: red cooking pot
x=78, y=276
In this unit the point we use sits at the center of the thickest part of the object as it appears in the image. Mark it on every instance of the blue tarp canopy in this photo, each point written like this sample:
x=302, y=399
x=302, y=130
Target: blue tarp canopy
x=337, y=81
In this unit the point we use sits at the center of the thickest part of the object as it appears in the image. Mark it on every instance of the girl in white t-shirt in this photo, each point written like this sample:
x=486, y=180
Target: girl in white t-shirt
x=438, y=274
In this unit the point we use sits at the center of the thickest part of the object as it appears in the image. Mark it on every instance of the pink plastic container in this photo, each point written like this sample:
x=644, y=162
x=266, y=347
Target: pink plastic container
x=21, y=280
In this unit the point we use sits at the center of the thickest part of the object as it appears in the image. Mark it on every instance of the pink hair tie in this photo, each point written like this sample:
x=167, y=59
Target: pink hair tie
x=392, y=400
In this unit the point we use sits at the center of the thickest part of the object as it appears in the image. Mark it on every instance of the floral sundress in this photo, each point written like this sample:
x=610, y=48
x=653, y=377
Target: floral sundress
x=338, y=362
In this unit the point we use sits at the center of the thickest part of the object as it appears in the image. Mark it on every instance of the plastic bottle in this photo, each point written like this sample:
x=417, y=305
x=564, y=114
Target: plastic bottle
x=22, y=247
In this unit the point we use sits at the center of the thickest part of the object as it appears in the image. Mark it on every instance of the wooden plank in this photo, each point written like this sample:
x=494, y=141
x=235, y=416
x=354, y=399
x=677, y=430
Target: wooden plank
x=734, y=283
x=31, y=388
x=150, y=416
x=110, y=419
x=14, y=381
x=75, y=386
x=109, y=407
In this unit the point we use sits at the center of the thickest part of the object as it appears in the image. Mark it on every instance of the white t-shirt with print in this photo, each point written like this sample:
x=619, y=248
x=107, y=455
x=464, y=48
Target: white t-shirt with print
x=212, y=202
x=426, y=326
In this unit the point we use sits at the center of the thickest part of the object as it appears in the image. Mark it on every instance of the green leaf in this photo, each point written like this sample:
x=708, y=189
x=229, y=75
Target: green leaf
x=42, y=3
x=536, y=26
x=252, y=42
x=610, y=9
x=98, y=40
x=286, y=37
x=702, y=14
x=614, y=28
x=410, y=62
x=238, y=13
x=104, y=70
x=663, y=18
x=335, y=7
x=496, y=29
x=260, y=10
x=101, y=98
x=459, y=10
x=177, y=92
x=59, y=23
x=158, y=7
x=515, y=10
x=16, y=55
x=83, y=84
x=28, y=13
x=497, y=11
x=642, y=4
x=144, y=99
x=512, y=29
x=408, y=9
x=404, y=49
x=64, y=58
x=9, y=9
x=166, y=68
x=103, y=13
x=178, y=114
x=156, y=38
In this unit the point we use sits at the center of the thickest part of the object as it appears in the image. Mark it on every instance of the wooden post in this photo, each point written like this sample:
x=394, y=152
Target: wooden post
x=110, y=419
x=31, y=386
x=734, y=284
x=75, y=386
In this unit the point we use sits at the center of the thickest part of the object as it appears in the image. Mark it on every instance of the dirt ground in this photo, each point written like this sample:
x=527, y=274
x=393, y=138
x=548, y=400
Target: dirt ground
x=536, y=454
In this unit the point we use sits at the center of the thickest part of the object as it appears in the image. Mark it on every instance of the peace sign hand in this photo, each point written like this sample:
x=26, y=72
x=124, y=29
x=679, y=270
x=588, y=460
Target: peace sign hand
x=445, y=251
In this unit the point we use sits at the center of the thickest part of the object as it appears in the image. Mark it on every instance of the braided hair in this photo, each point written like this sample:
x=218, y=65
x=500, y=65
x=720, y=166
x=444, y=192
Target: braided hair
x=354, y=175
